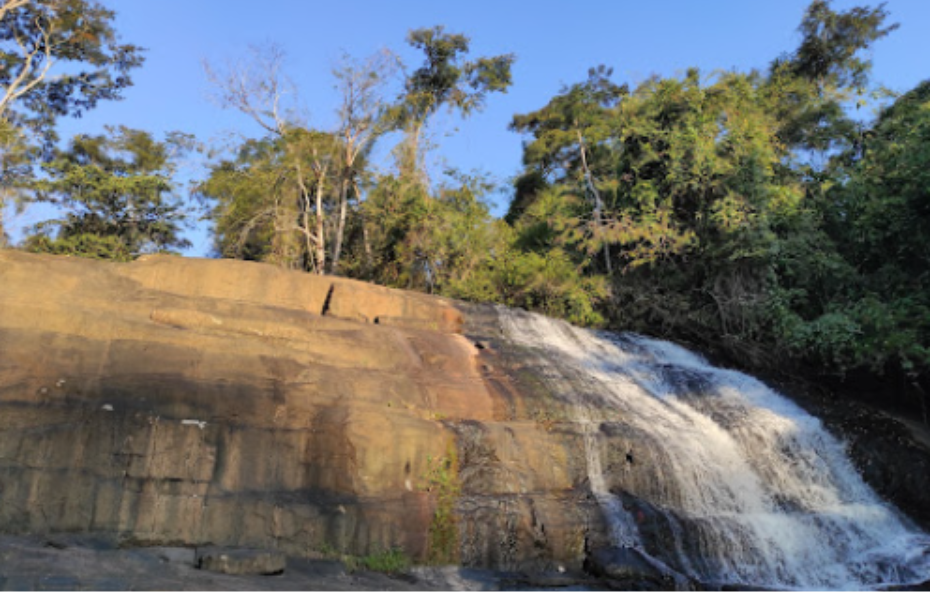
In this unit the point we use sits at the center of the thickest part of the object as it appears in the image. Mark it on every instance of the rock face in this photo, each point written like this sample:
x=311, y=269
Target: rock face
x=188, y=402
x=197, y=403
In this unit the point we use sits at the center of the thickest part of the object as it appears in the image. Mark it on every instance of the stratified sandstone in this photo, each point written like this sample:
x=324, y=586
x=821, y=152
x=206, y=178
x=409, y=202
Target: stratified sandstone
x=190, y=402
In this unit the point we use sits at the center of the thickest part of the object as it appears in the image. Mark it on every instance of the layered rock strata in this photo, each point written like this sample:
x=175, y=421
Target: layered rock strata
x=195, y=403
x=191, y=402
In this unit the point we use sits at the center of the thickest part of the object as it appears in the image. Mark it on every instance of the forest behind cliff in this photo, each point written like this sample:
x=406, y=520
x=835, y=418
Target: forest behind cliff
x=779, y=217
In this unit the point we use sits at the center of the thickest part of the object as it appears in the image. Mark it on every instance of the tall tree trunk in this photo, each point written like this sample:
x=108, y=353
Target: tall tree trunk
x=598, y=203
x=410, y=168
x=313, y=237
x=320, y=236
x=366, y=239
x=308, y=242
x=341, y=224
x=2, y=227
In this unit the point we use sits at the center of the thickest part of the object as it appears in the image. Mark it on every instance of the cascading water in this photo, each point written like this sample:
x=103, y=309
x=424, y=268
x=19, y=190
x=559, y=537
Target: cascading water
x=745, y=486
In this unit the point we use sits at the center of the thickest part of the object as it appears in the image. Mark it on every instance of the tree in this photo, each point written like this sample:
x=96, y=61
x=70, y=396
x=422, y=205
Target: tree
x=830, y=51
x=57, y=58
x=16, y=157
x=305, y=157
x=732, y=200
x=880, y=219
x=270, y=201
x=814, y=83
x=404, y=248
x=362, y=121
x=117, y=196
x=682, y=178
x=445, y=79
x=569, y=135
x=38, y=35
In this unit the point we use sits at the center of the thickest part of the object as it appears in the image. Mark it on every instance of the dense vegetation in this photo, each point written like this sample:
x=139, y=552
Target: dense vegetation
x=756, y=213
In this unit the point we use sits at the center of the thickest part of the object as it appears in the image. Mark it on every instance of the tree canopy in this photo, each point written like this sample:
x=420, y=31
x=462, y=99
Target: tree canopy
x=72, y=39
x=57, y=58
x=117, y=196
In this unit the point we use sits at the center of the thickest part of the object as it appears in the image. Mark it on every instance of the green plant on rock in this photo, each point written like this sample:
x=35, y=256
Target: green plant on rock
x=442, y=480
x=393, y=560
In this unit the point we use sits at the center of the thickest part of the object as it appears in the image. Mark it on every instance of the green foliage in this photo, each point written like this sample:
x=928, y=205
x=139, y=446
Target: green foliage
x=38, y=34
x=880, y=221
x=116, y=194
x=580, y=113
x=442, y=480
x=551, y=284
x=445, y=79
x=830, y=50
x=812, y=86
x=397, y=209
x=243, y=221
x=746, y=212
x=544, y=270
x=15, y=168
x=271, y=201
x=390, y=561
x=450, y=245
x=35, y=37
x=89, y=246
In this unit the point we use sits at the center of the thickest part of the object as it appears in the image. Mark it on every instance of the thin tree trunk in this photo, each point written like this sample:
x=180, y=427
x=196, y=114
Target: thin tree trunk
x=320, y=236
x=305, y=215
x=341, y=224
x=2, y=227
x=410, y=164
x=366, y=240
x=598, y=204
x=315, y=244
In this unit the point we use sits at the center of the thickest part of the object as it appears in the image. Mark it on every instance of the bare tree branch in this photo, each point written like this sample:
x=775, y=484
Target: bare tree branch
x=9, y=5
x=255, y=87
x=13, y=91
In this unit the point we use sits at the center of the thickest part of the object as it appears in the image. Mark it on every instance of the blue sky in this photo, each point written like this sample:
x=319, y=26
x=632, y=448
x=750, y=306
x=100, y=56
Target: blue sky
x=555, y=42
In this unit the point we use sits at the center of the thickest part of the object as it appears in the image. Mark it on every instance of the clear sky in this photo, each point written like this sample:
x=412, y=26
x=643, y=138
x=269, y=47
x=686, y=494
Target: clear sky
x=555, y=42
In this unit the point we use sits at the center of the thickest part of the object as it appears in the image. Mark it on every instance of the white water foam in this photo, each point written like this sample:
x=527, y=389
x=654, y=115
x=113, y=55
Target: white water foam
x=751, y=488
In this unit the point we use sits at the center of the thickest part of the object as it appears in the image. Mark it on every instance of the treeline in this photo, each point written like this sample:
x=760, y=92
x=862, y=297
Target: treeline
x=764, y=214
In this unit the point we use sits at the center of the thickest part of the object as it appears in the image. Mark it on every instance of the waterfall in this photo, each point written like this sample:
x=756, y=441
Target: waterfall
x=712, y=473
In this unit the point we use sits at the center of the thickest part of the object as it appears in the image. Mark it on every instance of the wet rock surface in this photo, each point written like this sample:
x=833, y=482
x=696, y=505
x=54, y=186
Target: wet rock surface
x=628, y=569
x=890, y=451
x=168, y=405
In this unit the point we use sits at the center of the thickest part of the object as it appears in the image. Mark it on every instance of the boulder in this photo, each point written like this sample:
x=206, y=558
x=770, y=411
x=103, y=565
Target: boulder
x=241, y=562
x=630, y=566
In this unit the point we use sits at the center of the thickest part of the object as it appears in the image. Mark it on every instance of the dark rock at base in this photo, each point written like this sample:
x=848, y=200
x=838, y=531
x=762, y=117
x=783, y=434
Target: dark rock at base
x=316, y=568
x=629, y=568
x=241, y=562
x=59, y=583
x=61, y=541
x=907, y=587
x=178, y=555
x=548, y=581
x=17, y=583
x=732, y=587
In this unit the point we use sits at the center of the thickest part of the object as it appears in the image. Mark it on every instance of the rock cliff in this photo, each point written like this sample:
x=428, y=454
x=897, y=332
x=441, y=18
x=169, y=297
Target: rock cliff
x=192, y=403
x=188, y=402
